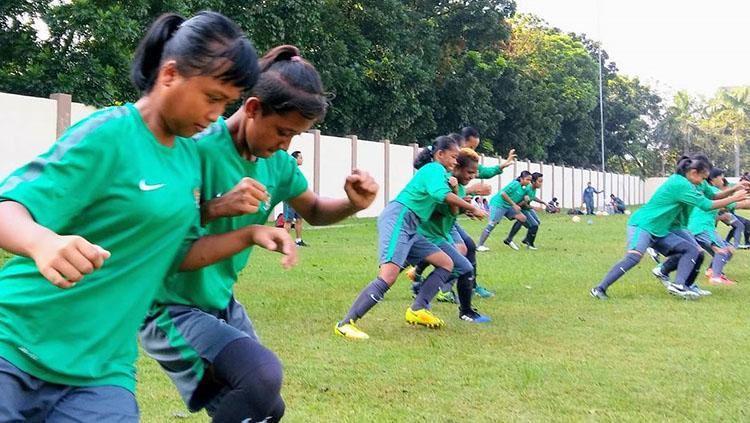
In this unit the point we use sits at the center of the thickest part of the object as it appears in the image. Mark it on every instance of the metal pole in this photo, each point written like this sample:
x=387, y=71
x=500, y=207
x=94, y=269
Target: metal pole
x=601, y=84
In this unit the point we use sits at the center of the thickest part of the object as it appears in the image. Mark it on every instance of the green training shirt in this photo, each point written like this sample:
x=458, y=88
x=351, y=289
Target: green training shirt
x=110, y=181
x=426, y=189
x=222, y=167
x=531, y=193
x=671, y=202
x=438, y=227
x=515, y=191
x=683, y=218
x=488, y=172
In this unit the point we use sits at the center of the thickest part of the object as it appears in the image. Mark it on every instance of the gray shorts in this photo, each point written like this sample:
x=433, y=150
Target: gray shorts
x=640, y=239
x=185, y=340
x=456, y=235
x=707, y=240
x=24, y=398
x=497, y=213
x=398, y=240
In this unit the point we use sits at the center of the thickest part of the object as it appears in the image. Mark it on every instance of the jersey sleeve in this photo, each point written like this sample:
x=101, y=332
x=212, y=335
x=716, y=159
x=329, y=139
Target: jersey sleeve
x=488, y=172
x=690, y=196
x=296, y=182
x=436, y=183
x=57, y=185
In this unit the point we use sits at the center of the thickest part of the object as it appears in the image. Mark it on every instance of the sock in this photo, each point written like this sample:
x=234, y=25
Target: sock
x=419, y=269
x=254, y=376
x=720, y=260
x=739, y=230
x=514, y=230
x=368, y=297
x=486, y=232
x=298, y=240
x=670, y=265
x=619, y=269
x=688, y=267
x=465, y=291
x=531, y=235
x=430, y=287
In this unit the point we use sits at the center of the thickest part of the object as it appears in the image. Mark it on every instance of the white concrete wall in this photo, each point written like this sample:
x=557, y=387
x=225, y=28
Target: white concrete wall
x=30, y=129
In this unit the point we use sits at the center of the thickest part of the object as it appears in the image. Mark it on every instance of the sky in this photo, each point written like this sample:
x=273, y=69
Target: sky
x=672, y=45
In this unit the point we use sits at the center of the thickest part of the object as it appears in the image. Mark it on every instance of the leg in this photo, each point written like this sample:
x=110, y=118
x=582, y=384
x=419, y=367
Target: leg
x=443, y=269
x=496, y=214
x=298, y=228
x=638, y=241
x=254, y=376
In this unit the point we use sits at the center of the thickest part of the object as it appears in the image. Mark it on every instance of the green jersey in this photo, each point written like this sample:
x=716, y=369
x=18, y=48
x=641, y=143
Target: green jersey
x=426, y=189
x=438, y=227
x=531, y=193
x=222, y=167
x=703, y=220
x=110, y=181
x=515, y=191
x=488, y=172
x=671, y=203
x=683, y=218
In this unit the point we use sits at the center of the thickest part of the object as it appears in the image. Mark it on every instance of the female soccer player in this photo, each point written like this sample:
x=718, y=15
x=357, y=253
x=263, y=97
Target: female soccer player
x=400, y=243
x=120, y=186
x=505, y=204
x=532, y=219
x=197, y=331
x=657, y=224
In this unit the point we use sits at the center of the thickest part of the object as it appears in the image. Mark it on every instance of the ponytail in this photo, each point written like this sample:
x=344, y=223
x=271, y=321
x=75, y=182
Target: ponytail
x=698, y=162
x=428, y=153
x=208, y=44
x=290, y=83
x=148, y=54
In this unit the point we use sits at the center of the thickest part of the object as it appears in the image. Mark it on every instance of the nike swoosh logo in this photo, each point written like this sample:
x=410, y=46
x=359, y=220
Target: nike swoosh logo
x=145, y=187
x=374, y=299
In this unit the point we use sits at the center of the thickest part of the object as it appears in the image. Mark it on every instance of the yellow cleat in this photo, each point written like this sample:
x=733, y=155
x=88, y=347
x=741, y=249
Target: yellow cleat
x=412, y=274
x=349, y=330
x=423, y=317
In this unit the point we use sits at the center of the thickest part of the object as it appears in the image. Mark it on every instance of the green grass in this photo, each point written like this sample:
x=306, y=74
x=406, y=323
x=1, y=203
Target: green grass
x=551, y=354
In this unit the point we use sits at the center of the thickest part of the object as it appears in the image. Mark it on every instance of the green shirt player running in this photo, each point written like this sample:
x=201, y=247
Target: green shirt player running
x=197, y=331
x=104, y=215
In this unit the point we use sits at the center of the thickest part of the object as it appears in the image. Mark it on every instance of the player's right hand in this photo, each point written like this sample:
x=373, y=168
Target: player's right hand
x=65, y=260
x=247, y=197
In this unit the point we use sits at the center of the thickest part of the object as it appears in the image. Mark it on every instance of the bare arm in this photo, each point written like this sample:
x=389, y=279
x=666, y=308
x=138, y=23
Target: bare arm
x=210, y=249
x=360, y=189
x=63, y=260
x=453, y=200
x=247, y=197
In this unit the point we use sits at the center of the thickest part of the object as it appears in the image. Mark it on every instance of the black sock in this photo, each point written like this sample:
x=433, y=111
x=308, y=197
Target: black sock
x=514, y=230
x=430, y=287
x=465, y=288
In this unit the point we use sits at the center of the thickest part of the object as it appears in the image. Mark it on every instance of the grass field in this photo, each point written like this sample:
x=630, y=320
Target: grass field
x=552, y=353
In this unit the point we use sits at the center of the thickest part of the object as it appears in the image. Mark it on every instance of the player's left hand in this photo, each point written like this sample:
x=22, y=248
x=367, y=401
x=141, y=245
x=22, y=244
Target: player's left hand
x=361, y=189
x=276, y=239
x=510, y=159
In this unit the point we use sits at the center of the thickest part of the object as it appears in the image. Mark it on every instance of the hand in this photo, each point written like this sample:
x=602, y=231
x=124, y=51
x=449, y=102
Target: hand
x=65, y=260
x=476, y=213
x=516, y=207
x=361, y=189
x=740, y=195
x=742, y=184
x=453, y=182
x=247, y=197
x=275, y=239
x=479, y=188
x=510, y=159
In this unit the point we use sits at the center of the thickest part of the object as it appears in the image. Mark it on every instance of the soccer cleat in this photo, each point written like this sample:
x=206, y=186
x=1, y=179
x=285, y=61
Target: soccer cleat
x=653, y=254
x=697, y=289
x=743, y=246
x=679, y=290
x=474, y=317
x=423, y=317
x=715, y=281
x=483, y=292
x=349, y=330
x=529, y=246
x=664, y=279
x=482, y=248
x=726, y=281
x=446, y=297
x=598, y=293
x=413, y=275
x=510, y=244
x=301, y=243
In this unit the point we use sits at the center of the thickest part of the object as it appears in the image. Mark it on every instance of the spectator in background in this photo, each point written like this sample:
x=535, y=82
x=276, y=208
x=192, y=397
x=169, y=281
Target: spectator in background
x=291, y=217
x=588, y=198
x=618, y=206
x=553, y=206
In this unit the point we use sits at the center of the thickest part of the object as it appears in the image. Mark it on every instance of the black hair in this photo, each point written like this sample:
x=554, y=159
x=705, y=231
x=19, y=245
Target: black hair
x=458, y=137
x=697, y=162
x=296, y=154
x=724, y=182
x=554, y=198
x=523, y=174
x=440, y=143
x=715, y=173
x=535, y=176
x=290, y=83
x=468, y=131
x=209, y=43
